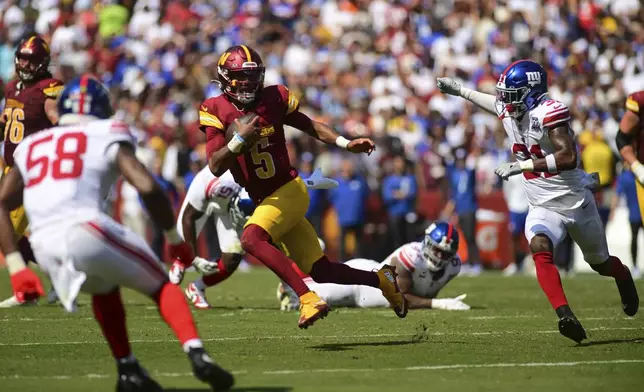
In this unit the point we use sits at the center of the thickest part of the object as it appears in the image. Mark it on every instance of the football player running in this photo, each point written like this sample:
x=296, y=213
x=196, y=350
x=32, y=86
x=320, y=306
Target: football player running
x=274, y=185
x=423, y=268
x=557, y=189
x=30, y=106
x=630, y=139
x=230, y=206
x=63, y=175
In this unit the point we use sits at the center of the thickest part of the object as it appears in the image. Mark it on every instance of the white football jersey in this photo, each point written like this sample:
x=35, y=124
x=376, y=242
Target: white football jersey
x=426, y=283
x=210, y=195
x=68, y=171
x=530, y=140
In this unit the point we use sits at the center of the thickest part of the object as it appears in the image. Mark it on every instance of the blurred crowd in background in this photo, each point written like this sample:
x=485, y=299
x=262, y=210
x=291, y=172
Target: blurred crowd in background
x=366, y=67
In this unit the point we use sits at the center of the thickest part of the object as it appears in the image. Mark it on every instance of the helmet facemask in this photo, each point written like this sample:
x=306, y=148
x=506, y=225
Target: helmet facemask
x=435, y=256
x=26, y=68
x=512, y=100
x=245, y=84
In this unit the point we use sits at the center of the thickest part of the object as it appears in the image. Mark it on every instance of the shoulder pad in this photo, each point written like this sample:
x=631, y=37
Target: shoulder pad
x=634, y=101
x=554, y=113
x=52, y=87
x=208, y=116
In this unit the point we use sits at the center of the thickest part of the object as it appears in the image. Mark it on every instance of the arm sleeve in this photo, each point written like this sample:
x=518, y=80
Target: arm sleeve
x=486, y=102
x=557, y=116
x=118, y=133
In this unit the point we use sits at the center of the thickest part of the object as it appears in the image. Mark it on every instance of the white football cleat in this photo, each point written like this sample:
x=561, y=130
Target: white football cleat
x=197, y=297
x=12, y=302
x=176, y=273
x=287, y=298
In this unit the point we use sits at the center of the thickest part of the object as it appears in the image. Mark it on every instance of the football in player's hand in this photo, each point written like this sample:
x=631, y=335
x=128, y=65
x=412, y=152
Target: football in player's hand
x=247, y=126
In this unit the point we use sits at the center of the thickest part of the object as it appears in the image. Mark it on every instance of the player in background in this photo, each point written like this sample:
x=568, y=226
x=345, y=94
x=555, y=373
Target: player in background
x=273, y=184
x=630, y=141
x=30, y=106
x=557, y=190
x=229, y=205
x=423, y=269
x=63, y=175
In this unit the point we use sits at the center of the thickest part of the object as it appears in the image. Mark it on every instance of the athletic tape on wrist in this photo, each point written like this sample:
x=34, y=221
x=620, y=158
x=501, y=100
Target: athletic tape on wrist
x=236, y=143
x=342, y=142
x=552, y=163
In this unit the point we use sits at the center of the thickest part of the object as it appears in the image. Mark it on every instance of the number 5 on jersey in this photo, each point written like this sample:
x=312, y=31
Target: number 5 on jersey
x=265, y=167
x=67, y=162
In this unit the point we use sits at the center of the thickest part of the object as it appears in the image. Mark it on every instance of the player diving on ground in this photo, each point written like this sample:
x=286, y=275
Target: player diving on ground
x=423, y=269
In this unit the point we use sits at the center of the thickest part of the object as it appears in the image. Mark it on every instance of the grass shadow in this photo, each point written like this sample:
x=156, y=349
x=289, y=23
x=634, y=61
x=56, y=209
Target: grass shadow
x=350, y=346
x=611, y=341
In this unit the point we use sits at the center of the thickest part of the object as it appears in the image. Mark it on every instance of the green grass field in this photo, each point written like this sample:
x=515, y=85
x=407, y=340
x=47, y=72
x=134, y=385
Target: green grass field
x=507, y=342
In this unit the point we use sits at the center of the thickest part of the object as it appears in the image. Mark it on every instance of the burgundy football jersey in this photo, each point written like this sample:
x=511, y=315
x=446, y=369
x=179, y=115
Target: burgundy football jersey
x=24, y=111
x=265, y=167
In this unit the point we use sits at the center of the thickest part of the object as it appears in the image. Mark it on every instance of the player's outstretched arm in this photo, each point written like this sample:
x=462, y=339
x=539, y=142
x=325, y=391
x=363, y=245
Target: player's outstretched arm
x=452, y=87
x=628, y=129
x=326, y=134
x=24, y=282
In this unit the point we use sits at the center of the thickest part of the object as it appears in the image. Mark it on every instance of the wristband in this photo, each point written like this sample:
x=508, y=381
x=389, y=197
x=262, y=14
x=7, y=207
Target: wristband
x=552, y=163
x=342, y=142
x=236, y=143
x=527, y=166
x=173, y=236
x=15, y=262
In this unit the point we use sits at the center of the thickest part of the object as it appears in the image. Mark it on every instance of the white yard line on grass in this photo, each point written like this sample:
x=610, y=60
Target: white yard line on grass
x=358, y=370
x=311, y=337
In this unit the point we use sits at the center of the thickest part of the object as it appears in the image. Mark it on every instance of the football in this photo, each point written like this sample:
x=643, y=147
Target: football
x=250, y=140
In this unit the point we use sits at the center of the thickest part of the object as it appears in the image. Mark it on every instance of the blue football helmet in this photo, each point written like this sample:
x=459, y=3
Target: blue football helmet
x=241, y=208
x=439, y=245
x=85, y=96
x=521, y=87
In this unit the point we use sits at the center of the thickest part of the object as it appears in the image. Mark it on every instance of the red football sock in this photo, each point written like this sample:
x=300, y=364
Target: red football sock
x=110, y=314
x=219, y=276
x=176, y=313
x=256, y=243
x=549, y=279
x=324, y=271
x=616, y=269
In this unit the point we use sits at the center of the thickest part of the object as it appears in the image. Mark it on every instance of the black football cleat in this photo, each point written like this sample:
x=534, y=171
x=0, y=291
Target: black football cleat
x=628, y=293
x=569, y=326
x=206, y=370
x=133, y=378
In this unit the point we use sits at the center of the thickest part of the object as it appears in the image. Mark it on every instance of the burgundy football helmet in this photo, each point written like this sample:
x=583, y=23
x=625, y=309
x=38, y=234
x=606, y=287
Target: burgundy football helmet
x=32, y=58
x=240, y=73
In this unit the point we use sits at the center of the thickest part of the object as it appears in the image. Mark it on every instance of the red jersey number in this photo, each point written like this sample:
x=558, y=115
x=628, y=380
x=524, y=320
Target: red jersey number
x=535, y=152
x=68, y=162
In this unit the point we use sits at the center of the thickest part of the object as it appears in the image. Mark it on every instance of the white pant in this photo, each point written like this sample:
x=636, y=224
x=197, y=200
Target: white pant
x=96, y=257
x=351, y=295
x=582, y=223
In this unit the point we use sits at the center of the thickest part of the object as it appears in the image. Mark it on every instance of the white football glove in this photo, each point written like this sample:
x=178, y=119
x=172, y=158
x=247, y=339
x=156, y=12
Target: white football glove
x=205, y=266
x=450, y=303
x=638, y=170
x=508, y=169
x=448, y=86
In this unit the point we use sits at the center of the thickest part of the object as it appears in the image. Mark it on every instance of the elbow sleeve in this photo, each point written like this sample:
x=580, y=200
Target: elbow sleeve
x=623, y=139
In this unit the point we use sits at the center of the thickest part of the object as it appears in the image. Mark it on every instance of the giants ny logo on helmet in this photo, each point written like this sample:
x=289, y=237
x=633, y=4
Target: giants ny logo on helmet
x=534, y=78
